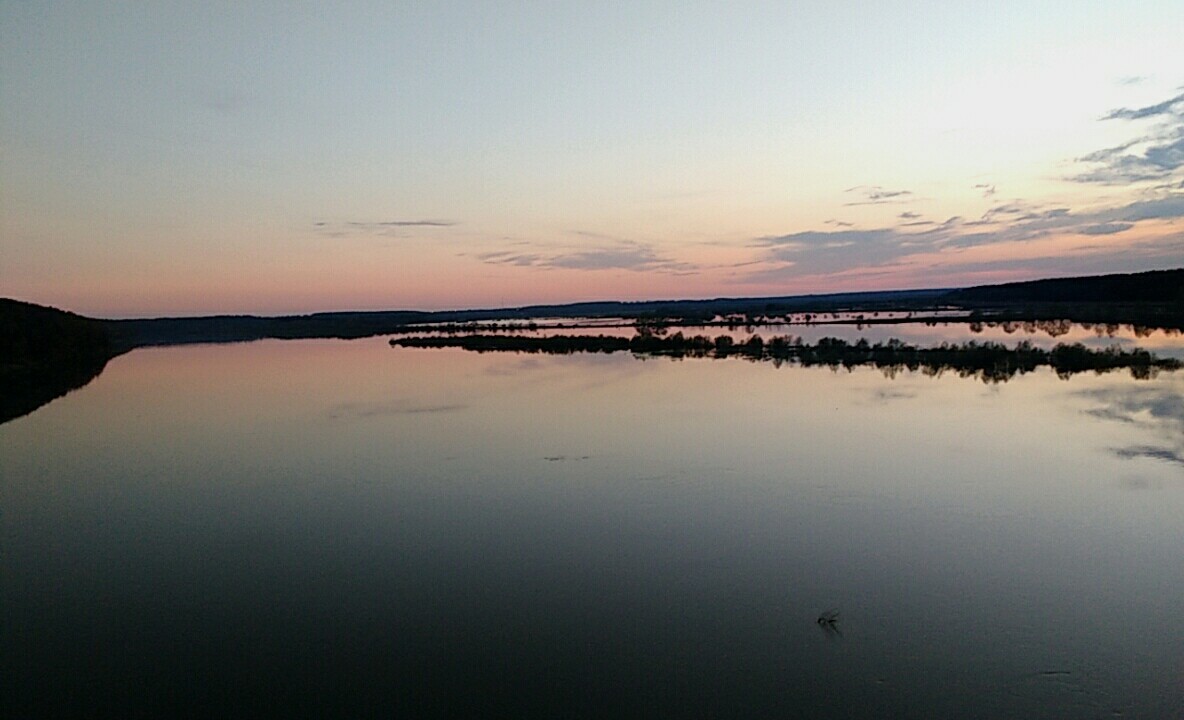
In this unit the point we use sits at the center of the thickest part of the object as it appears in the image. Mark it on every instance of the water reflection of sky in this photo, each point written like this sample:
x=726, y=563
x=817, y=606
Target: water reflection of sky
x=327, y=524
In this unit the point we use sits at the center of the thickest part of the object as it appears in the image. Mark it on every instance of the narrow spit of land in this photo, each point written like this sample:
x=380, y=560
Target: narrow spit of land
x=989, y=361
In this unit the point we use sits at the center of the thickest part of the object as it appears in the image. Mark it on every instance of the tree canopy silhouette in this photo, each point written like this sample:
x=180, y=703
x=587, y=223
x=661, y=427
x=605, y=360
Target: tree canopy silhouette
x=988, y=361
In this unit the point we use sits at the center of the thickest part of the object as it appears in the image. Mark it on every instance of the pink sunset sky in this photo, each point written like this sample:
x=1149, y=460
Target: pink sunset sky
x=208, y=158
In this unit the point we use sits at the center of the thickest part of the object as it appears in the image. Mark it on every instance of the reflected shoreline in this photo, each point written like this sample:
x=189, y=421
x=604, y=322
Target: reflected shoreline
x=974, y=323
x=990, y=362
x=44, y=354
x=24, y=390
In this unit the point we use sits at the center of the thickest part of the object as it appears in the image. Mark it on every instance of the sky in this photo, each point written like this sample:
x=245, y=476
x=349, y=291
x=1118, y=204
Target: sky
x=182, y=158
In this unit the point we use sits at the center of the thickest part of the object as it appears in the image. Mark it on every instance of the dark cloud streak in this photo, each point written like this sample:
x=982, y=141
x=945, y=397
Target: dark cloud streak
x=1166, y=107
x=1106, y=228
x=1158, y=412
x=829, y=251
x=630, y=256
x=876, y=195
x=1150, y=451
x=395, y=228
x=401, y=223
x=1156, y=155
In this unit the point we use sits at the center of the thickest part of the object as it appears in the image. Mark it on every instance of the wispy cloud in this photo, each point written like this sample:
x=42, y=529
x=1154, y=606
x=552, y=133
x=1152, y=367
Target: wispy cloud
x=1168, y=206
x=820, y=252
x=1111, y=228
x=877, y=195
x=1167, y=107
x=619, y=258
x=1156, y=155
x=1012, y=223
x=1150, y=451
x=505, y=257
x=620, y=255
x=381, y=227
x=913, y=220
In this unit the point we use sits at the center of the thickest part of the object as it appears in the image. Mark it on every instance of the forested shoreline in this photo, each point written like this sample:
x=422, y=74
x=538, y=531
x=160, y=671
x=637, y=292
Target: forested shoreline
x=989, y=361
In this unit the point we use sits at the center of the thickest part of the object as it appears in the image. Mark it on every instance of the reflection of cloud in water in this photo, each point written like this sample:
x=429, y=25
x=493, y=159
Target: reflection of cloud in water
x=991, y=391
x=554, y=361
x=506, y=369
x=1152, y=407
x=1150, y=451
x=1157, y=410
x=1139, y=482
x=626, y=367
x=1110, y=414
x=884, y=395
x=391, y=407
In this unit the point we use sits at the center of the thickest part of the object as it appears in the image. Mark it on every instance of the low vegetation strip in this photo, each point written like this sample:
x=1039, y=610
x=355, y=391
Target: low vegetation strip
x=989, y=361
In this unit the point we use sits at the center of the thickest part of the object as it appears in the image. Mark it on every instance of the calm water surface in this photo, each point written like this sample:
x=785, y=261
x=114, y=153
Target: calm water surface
x=340, y=528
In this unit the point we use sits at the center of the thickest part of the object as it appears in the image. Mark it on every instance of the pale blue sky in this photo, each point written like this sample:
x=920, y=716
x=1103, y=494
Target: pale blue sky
x=274, y=157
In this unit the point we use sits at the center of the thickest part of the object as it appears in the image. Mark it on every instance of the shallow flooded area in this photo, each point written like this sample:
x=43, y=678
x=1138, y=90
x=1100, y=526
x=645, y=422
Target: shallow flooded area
x=339, y=527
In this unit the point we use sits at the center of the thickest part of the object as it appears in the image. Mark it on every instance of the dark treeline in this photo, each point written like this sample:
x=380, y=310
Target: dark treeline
x=1056, y=328
x=1150, y=299
x=45, y=353
x=975, y=323
x=128, y=334
x=33, y=335
x=991, y=362
x=1153, y=299
x=1156, y=286
x=1144, y=301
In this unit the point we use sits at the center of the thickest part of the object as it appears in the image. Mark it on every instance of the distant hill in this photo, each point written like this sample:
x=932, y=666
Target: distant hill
x=45, y=353
x=127, y=334
x=1156, y=286
x=37, y=335
x=827, y=302
x=34, y=334
x=1150, y=299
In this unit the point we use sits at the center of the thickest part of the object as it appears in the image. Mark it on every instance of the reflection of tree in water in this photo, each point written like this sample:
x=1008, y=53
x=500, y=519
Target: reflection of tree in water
x=1057, y=328
x=990, y=362
x=23, y=390
x=1157, y=410
x=44, y=354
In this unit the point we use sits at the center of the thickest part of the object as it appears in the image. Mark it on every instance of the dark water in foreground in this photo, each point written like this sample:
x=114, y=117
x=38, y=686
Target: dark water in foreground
x=337, y=528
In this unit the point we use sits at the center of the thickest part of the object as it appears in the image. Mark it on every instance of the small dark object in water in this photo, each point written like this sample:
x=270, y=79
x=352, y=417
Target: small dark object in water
x=828, y=619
